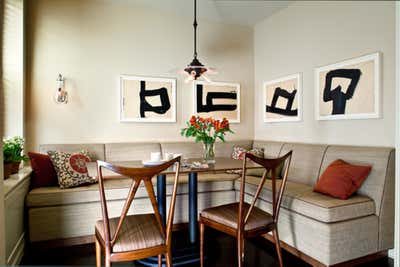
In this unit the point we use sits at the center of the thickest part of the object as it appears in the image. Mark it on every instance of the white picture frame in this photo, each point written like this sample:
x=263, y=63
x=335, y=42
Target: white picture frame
x=376, y=84
x=171, y=93
x=298, y=80
x=232, y=116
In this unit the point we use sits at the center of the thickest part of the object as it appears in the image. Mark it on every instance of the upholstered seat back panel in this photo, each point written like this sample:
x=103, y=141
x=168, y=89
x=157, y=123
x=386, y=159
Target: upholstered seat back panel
x=271, y=149
x=306, y=162
x=96, y=151
x=225, y=149
x=187, y=149
x=195, y=150
x=130, y=151
x=378, y=158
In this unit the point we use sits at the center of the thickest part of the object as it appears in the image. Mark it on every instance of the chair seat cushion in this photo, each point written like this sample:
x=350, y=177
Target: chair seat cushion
x=137, y=232
x=228, y=215
x=117, y=189
x=301, y=199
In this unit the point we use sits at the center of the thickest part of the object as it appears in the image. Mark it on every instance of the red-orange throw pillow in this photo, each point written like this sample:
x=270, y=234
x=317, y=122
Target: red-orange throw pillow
x=341, y=179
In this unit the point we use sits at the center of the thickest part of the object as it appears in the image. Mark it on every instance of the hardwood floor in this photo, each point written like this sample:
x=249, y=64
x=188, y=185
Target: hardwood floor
x=219, y=248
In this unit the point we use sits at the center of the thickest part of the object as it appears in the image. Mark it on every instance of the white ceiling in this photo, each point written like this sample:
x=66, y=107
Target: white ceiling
x=242, y=12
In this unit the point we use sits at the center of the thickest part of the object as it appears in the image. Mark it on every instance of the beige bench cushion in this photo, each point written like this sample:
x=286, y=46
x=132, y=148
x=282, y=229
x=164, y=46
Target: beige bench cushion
x=226, y=149
x=96, y=151
x=306, y=162
x=195, y=150
x=117, y=189
x=301, y=199
x=187, y=149
x=377, y=157
x=130, y=151
x=271, y=149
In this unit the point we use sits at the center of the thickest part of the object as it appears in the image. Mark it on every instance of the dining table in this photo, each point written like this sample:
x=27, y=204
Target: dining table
x=190, y=256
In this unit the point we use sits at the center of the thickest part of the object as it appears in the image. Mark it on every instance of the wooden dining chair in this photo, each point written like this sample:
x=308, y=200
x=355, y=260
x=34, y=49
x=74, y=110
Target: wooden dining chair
x=133, y=237
x=243, y=220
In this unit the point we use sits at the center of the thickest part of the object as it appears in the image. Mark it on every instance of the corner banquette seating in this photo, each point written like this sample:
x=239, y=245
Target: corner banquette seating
x=323, y=230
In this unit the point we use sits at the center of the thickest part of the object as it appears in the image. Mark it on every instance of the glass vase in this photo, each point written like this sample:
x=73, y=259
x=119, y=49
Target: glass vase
x=209, y=154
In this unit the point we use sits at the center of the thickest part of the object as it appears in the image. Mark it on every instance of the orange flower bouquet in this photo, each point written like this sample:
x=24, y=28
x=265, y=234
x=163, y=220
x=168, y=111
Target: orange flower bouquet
x=207, y=131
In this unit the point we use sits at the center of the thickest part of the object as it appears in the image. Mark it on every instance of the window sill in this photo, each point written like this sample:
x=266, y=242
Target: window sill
x=12, y=182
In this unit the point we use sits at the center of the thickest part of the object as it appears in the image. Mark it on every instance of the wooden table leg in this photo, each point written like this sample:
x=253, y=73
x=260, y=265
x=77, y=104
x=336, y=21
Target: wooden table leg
x=162, y=196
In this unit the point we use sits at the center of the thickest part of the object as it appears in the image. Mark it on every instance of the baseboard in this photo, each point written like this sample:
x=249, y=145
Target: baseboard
x=17, y=252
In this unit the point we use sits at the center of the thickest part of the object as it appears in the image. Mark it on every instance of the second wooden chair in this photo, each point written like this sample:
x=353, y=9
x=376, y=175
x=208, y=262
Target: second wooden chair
x=132, y=237
x=243, y=220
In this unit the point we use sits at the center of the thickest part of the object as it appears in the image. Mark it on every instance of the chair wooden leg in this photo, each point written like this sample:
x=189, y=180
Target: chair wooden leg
x=240, y=249
x=168, y=258
x=107, y=262
x=278, y=246
x=201, y=244
x=98, y=253
x=160, y=260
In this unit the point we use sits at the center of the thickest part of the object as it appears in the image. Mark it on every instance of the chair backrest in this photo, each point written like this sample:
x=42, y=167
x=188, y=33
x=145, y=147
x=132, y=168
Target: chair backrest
x=137, y=175
x=270, y=165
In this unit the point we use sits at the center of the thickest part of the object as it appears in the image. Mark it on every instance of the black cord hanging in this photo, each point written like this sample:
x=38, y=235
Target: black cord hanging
x=195, y=69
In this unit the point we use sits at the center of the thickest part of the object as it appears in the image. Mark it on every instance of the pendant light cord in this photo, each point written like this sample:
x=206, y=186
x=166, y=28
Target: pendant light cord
x=195, y=29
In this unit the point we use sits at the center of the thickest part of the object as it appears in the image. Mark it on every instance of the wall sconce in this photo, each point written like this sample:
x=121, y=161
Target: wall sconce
x=61, y=96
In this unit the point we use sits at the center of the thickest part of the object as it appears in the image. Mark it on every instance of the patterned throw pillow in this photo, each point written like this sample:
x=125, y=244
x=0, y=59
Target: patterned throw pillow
x=238, y=152
x=71, y=168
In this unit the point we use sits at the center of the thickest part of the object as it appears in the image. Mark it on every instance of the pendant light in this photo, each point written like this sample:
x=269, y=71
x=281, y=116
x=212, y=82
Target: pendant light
x=195, y=69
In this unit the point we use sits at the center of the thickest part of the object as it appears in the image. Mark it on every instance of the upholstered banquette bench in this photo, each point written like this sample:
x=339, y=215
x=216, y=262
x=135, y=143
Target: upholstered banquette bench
x=323, y=230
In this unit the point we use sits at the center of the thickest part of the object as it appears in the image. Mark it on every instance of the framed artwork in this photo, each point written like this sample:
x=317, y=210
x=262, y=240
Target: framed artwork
x=349, y=89
x=217, y=99
x=147, y=99
x=283, y=99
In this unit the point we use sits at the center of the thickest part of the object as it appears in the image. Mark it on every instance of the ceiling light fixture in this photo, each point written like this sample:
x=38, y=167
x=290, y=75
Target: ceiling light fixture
x=195, y=69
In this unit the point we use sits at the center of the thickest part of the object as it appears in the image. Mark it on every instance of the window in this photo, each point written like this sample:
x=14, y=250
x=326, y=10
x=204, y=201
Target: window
x=12, y=46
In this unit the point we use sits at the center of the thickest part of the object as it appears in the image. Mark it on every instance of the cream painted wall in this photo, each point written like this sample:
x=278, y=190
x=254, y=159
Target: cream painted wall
x=91, y=42
x=310, y=34
x=396, y=251
x=2, y=218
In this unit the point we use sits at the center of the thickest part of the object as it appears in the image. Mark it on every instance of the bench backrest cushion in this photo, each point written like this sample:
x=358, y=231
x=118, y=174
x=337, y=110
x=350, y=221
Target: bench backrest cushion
x=271, y=148
x=187, y=149
x=377, y=157
x=195, y=150
x=226, y=149
x=96, y=151
x=130, y=151
x=306, y=162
